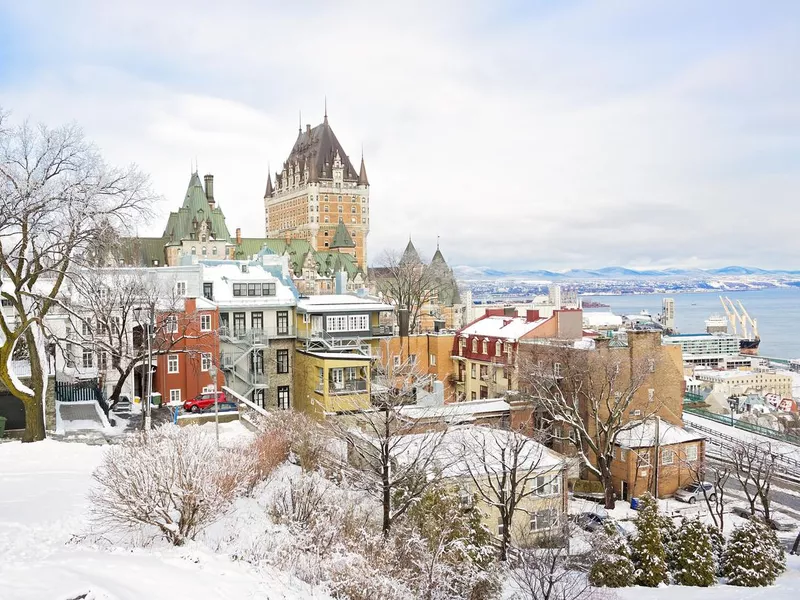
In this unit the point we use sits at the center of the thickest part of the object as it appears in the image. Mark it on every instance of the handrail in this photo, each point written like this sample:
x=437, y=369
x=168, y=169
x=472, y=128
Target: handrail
x=749, y=427
x=245, y=401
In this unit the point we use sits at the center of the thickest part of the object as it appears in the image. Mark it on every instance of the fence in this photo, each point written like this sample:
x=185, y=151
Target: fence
x=79, y=391
x=749, y=427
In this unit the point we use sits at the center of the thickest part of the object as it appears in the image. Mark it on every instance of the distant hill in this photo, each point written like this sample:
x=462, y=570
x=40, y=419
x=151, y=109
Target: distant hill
x=467, y=273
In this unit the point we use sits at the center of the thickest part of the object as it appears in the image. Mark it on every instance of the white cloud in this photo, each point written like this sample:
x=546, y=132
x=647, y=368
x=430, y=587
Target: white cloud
x=587, y=135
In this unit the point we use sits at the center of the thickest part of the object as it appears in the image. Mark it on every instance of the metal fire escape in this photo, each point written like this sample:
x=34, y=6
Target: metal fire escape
x=245, y=359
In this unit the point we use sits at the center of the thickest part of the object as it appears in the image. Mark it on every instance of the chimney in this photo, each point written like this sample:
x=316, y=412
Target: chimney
x=238, y=236
x=402, y=321
x=509, y=311
x=209, y=179
x=532, y=315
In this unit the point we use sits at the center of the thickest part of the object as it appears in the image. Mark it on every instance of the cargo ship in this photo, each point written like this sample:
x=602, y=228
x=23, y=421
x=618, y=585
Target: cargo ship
x=743, y=325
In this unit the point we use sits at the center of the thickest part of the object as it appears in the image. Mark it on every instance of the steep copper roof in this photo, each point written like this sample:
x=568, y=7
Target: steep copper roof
x=362, y=174
x=342, y=237
x=316, y=149
x=269, y=190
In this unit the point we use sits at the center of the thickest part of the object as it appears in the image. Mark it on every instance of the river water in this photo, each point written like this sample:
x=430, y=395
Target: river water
x=776, y=310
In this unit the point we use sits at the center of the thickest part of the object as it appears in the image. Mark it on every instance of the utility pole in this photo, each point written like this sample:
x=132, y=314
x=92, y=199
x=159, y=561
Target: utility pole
x=658, y=455
x=148, y=415
x=213, y=372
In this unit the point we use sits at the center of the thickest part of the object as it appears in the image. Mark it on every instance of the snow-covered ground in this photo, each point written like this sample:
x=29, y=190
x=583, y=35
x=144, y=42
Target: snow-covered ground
x=43, y=503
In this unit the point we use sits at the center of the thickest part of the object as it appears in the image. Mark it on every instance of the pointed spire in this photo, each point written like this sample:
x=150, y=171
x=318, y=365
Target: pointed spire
x=299, y=121
x=269, y=191
x=410, y=255
x=326, y=109
x=362, y=174
x=342, y=237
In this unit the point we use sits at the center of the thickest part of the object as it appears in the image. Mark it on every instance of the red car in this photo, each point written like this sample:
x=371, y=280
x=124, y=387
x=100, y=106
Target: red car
x=203, y=401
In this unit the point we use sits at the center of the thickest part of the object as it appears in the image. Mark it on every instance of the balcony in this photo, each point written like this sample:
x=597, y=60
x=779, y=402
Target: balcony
x=255, y=336
x=382, y=330
x=354, y=386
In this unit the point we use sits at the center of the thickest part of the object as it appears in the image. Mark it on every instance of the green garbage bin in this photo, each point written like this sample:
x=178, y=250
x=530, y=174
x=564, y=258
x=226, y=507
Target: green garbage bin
x=2, y=426
x=155, y=399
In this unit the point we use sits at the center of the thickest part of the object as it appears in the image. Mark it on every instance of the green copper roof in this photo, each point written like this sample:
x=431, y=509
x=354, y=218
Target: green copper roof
x=342, y=238
x=142, y=251
x=185, y=224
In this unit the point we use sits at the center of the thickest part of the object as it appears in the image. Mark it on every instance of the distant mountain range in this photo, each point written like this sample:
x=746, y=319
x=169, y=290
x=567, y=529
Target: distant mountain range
x=466, y=273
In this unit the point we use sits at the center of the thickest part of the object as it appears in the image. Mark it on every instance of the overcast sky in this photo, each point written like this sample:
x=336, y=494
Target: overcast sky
x=525, y=134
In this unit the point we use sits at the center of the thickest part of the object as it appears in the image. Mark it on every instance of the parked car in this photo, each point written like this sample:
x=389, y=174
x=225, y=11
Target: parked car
x=694, y=492
x=777, y=520
x=204, y=401
x=592, y=521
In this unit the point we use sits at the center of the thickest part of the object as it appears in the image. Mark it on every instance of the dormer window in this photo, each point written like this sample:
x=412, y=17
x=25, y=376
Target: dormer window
x=474, y=345
x=485, y=347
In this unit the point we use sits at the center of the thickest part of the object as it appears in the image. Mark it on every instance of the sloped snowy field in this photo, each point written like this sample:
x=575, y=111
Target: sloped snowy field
x=43, y=504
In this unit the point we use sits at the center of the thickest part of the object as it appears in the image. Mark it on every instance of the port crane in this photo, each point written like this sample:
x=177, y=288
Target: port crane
x=740, y=319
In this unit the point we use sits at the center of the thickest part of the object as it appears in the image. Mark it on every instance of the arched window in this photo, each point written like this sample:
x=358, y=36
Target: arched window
x=485, y=347
x=214, y=250
x=205, y=251
x=194, y=251
x=474, y=345
x=499, y=348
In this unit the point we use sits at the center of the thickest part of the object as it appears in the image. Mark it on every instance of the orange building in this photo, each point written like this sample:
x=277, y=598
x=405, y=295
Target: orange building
x=427, y=354
x=183, y=371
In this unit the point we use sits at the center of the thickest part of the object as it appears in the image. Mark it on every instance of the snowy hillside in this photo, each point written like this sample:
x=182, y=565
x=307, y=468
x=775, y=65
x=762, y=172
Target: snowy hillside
x=43, y=497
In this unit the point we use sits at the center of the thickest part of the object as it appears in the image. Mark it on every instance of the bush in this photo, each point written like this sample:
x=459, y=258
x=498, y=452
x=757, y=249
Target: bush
x=669, y=537
x=718, y=547
x=263, y=455
x=307, y=440
x=648, y=553
x=171, y=480
x=614, y=568
x=694, y=563
x=754, y=556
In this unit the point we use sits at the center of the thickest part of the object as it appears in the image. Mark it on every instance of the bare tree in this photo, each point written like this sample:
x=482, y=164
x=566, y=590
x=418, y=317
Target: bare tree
x=406, y=283
x=545, y=570
x=387, y=457
x=585, y=398
x=107, y=314
x=56, y=196
x=754, y=469
x=508, y=470
x=716, y=499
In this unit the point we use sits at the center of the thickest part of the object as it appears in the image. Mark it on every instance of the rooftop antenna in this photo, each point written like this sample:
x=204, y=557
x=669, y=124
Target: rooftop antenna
x=300, y=121
x=326, y=107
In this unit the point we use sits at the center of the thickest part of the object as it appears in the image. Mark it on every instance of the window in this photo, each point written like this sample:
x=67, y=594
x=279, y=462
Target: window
x=102, y=364
x=485, y=349
x=472, y=370
x=358, y=323
x=320, y=379
x=556, y=370
x=174, y=395
x=543, y=519
x=548, y=485
x=433, y=360
x=484, y=371
x=180, y=286
x=336, y=323
x=253, y=289
x=172, y=363
x=171, y=324
x=396, y=362
x=87, y=358
x=412, y=359
x=651, y=394
x=474, y=345
x=208, y=389
x=267, y=289
x=283, y=361
x=464, y=498
x=667, y=457
x=257, y=321
x=205, y=322
x=86, y=328
x=208, y=290
x=214, y=250
x=498, y=349
x=205, y=250
x=205, y=361
x=500, y=526
x=691, y=453
x=623, y=454
x=239, y=323
x=283, y=397
x=636, y=413
x=283, y=322
x=239, y=289
x=194, y=248
x=651, y=365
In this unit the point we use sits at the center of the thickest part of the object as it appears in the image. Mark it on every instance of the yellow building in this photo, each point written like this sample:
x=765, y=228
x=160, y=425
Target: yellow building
x=338, y=336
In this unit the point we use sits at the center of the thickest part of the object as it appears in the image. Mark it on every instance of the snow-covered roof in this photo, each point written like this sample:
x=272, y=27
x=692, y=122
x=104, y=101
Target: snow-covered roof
x=643, y=435
x=325, y=303
x=224, y=274
x=466, y=448
x=338, y=355
x=601, y=319
x=510, y=328
x=456, y=410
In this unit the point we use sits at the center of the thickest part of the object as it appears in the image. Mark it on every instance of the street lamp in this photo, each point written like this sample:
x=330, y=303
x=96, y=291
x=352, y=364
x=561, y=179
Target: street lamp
x=733, y=402
x=149, y=327
x=213, y=372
